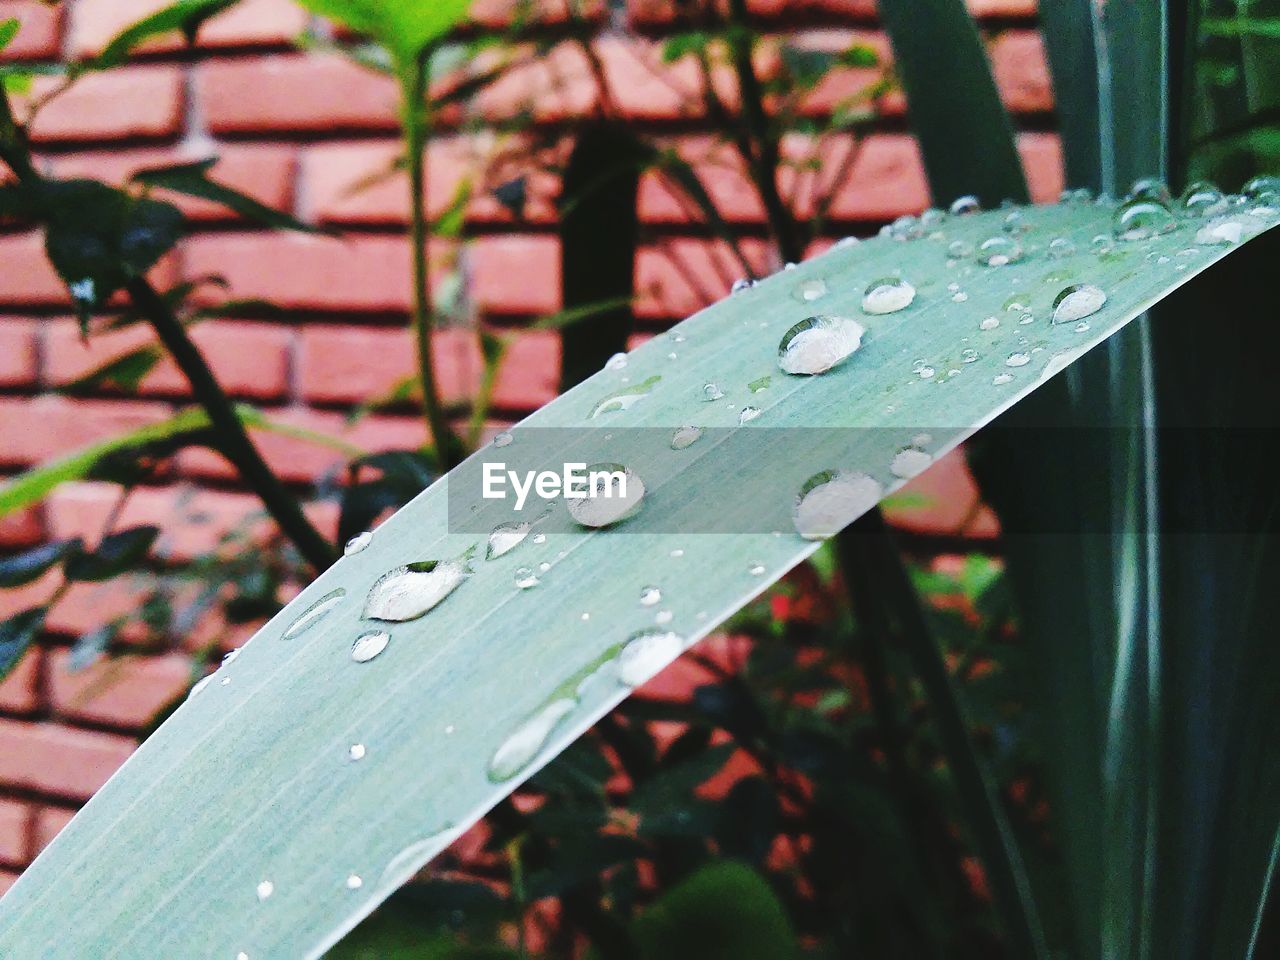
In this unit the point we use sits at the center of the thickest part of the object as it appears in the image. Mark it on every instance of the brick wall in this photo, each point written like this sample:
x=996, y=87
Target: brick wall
x=296, y=130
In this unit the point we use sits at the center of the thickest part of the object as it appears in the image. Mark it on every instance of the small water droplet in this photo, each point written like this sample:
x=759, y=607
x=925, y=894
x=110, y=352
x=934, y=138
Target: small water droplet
x=369, y=645
x=617, y=362
x=998, y=251
x=712, y=392
x=677, y=552
x=830, y=500
x=354, y=882
x=933, y=218
x=1000, y=379
x=356, y=751
x=1060, y=248
x=1142, y=219
x=887, y=295
x=624, y=399
x=968, y=355
x=959, y=249
x=817, y=344
x=313, y=614
x=1101, y=244
x=613, y=493
x=742, y=283
x=505, y=538
x=906, y=228
x=663, y=617
x=230, y=657
x=748, y=414
x=539, y=538
x=1202, y=199
x=989, y=323
x=1082, y=326
x=1018, y=360
x=908, y=462
x=809, y=290
x=1015, y=223
x=200, y=685
x=544, y=567
x=845, y=243
x=964, y=206
x=357, y=543
x=685, y=437
x=1149, y=188
x=502, y=439
x=650, y=596
x=242, y=956
x=925, y=372
x=265, y=889
x=645, y=654
x=525, y=578
x=528, y=740
x=959, y=297
x=1220, y=232
x=788, y=266
x=408, y=592
x=1076, y=302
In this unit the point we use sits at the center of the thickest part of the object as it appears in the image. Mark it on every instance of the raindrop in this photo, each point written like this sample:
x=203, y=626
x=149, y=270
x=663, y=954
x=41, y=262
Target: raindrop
x=408, y=592
x=1220, y=232
x=830, y=500
x=369, y=645
x=505, y=538
x=742, y=283
x=969, y=355
x=677, y=552
x=964, y=206
x=544, y=567
x=1076, y=302
x=502, y=439
x=1000, y=379
x=645, y=654
x=906, y=228
x=817, y=344
x=265, y=889
x=933, y=218
x=809, y=290
x=617, y=362
x=1018, y=360
x=650, y=596
x=1101, y=244
x=525, y=578
x=230, y=657
x=200, y=685
x=925, y=372
x=613, y=494
x=759, y=384
x=959, y=296
x=313, y=614
x=959, y=249
x=528, y=740
x=845, y=242
x=748, y=414
x=1149, y=188
x=354, y=882
x=663, y=617
x=1142, y=219
x=1060, y=248
x=1264, y=188
x=908, y=462
x=1015, y=223
x=788, y=266
x=989, y=323
x=887, y=295
x=624, y=399
x=712, y=392
x=357, y=543
x=999, y=251
x=357, y=751
x=1202, y=199
x=1082, y=327
x=685, y=437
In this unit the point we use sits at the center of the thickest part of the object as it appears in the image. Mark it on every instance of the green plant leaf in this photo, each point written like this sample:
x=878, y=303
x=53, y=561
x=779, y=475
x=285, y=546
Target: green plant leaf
x=8, y=30
x=124, y=372
x=266, y=757
x=117, y=553
x=185, y=17
x=405, y=27
x=22, y=568
x=16, y=635
x=192, y=179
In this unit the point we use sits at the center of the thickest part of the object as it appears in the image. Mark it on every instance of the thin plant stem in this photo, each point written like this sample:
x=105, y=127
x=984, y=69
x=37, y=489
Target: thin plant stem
x=415, y=82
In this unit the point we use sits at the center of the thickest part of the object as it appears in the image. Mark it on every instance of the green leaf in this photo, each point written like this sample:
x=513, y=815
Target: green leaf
x=405, y=27
x=25, y=567
x=192, y=179
x=185, y=17
x=117, y=553
x=124, y=372
x=16, y=635
x=266, y=758
x=725, y=911
x=8, y=30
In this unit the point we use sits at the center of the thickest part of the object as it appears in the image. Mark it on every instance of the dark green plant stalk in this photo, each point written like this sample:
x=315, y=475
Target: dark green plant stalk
x=416, y=120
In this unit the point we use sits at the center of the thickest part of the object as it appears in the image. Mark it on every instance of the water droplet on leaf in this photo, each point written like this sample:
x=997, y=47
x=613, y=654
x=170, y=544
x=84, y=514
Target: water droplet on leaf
x=1202, y=199
x=887, y=295
x=505, y=538
x=748, y=414
x=1076, y=302
x=1018, y=360
x=408, y=592
x=525, y=578
x=712, y=392
x=650, y=596
x=369, y=645
x=528, y=740
x=645, y=654
x=964, y=206
x=1142, y=219
x=265, y=889
x=357, y=543
x=624, y=399
x=809, y=290
x=999, y=251
x=831, y=500
x=908, y=462
x=817, y=344
x=313, y=614
x=685, y=437
x=614, y=493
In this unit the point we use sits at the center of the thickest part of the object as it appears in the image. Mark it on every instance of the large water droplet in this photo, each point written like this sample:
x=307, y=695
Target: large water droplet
x=1000, y=379
x=1018, y=360
x=712, y=392
x=817, y=344
x=908, y=462
x=1142, y=219
x=1202, y=199
x=525, y=578
x=1076, y=302
x=357, y=543
x=964, y=206
x=408, y=592
x=1015, y=223
x=887, y=295
x=613, y=494
x=1149, y=188
x=809, y=290
x=505, y=538
x=528, y=740
x=405, y=863
x=685, y=437
x=989, y=323
x=624, y=399
x=999, y=251
x=748, y=414
x=645, y=654
x=1060, y=248
x=650, y=596
x=369, y=645
x=313, y=614
x=829, y=501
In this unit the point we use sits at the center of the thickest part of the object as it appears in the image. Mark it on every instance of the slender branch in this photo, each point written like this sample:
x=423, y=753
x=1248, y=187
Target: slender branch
x=874, y=559
x=415, y=132
x=233, y=441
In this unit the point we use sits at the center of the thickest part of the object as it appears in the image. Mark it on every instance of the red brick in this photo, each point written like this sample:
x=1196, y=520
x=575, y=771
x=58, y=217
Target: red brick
x=17, y=352
x=683, y=275
x=120, y=104
x=37, y=429
x=7, y=880
x=530, y=373
x=663, y=12
x=263, y=171
x=125, y=691
x=84, y=607
x=1042, y=159
x=515, y=273
x=37, y=38
x=59, y=760
x=1021, y=71
x=497, y=13
x=21, y=529
x=295, y=93
x=94, y=23
x=249, y=359
x=25, y=274
x=19, y=692
x=15, y=829
x=304, y=460
x=49, y=822
x=950, y=504
x=354, y=182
